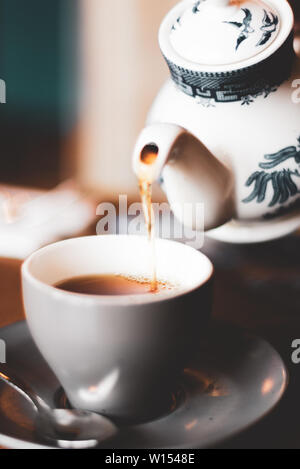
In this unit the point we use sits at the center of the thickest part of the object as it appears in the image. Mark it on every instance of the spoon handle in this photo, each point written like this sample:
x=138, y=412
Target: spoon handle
x=25, y=390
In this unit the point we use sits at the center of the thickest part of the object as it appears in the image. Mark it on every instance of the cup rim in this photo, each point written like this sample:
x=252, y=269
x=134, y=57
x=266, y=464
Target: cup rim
x=111, y=300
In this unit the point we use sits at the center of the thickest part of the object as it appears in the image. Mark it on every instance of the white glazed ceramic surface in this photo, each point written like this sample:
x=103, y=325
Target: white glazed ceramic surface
x=257, y=138
x=114, y=353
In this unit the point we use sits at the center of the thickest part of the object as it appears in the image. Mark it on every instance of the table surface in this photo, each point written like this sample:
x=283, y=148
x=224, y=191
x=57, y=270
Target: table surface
x=256, y=287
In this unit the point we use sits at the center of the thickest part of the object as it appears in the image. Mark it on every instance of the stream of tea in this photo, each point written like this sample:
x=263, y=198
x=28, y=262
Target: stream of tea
x=148, y=157
x=146, y=196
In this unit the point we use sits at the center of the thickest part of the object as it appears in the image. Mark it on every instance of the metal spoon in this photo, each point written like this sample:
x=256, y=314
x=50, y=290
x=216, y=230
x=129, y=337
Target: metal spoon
x=69, y=429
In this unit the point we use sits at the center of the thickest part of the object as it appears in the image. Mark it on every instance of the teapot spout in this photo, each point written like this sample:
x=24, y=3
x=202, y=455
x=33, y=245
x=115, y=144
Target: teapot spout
x=152, y=150
x=189, y=172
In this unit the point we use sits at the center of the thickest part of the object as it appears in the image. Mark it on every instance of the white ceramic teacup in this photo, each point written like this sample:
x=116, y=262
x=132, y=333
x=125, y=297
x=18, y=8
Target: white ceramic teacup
x=117, y=355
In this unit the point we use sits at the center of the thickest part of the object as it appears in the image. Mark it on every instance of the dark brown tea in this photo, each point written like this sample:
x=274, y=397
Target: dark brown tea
x=109, y=285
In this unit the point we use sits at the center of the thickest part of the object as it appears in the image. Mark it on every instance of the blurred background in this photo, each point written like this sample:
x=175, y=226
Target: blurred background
x=80, y=78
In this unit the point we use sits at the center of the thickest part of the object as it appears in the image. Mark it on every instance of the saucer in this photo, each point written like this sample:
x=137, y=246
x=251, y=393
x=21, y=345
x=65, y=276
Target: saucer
x=233, y=382
x=261, y=231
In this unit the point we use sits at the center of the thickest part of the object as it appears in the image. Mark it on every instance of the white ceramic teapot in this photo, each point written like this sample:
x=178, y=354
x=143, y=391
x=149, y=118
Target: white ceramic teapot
x=226, y=126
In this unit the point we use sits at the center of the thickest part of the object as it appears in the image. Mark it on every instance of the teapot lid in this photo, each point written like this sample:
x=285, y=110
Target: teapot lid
x=221, y=32
x=228, y=50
